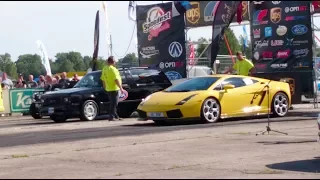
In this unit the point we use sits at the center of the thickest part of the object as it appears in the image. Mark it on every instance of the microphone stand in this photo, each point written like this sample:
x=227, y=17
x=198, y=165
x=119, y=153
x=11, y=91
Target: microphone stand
x=268, y=130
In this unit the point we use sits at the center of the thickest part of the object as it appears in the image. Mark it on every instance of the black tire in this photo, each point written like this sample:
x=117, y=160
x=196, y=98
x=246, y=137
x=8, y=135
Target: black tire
x=58, y=119
x=34, y=111
x=276, y=109
x=214, y=116
x=160, y=122
x=90, y=105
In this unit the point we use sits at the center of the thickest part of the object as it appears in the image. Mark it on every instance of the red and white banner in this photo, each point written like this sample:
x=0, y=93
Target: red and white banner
x=192, y=55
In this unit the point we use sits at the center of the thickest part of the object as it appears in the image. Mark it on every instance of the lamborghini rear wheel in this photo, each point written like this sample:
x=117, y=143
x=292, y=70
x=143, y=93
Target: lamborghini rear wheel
x=280, y=105
x=210, y=110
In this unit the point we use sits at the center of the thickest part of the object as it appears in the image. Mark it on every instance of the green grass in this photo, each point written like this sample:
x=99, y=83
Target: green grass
x=19, y=156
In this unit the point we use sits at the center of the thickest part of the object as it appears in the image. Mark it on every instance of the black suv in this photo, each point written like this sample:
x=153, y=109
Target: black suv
x=87, y=99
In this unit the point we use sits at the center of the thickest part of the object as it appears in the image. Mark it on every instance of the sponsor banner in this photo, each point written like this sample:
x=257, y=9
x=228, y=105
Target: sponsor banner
x=297, y=81
x=21, y=99
x=281, y=36
x=201, y=13
x=161, y=39
x=282, y=43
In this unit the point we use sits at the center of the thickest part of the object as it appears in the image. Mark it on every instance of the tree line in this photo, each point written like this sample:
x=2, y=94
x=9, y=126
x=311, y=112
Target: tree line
x=65, y=62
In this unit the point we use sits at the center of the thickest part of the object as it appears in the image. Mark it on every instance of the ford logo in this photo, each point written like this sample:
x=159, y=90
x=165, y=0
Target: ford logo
x=173, y=75
x=299, y=29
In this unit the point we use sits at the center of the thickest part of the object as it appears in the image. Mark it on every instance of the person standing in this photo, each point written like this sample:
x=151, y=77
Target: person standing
x=21, y=83
x=74, y=80
x=243, y=66
x=8, y=84
x=32, y=83
x=112, y=84
x=64, y=81
x=48, y=83
x=42, y=82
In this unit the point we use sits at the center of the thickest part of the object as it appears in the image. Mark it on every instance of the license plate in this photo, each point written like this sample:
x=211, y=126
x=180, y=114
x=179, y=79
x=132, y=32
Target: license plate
x=155, y=114
x=51, y=110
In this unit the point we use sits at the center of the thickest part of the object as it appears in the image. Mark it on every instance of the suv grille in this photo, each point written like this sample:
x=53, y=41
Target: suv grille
x=53, y=101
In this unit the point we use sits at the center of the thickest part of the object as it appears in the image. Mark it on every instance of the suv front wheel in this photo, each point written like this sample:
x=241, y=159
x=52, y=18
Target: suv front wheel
x=89, y=110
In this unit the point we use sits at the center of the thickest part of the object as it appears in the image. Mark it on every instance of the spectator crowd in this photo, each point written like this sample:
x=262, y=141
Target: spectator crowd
x=47, y=82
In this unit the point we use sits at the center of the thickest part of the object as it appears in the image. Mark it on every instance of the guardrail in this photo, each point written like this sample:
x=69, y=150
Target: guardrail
x=17, y=101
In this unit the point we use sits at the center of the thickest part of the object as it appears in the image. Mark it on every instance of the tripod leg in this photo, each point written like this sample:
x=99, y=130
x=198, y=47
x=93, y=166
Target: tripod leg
x=279, y=132
x=262, y=133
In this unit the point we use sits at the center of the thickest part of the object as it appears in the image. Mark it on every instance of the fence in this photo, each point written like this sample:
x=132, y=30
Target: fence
x=225, y=62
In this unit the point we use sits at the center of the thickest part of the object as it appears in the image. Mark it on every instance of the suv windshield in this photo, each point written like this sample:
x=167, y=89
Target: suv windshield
x=195, y=84
x=89, y=80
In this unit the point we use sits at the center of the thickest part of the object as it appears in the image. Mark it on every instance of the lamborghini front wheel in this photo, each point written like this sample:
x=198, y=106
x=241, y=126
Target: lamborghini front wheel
x=210, y=110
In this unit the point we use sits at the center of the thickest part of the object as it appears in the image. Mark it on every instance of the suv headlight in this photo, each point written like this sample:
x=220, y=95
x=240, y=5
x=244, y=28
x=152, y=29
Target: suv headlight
x=186, y=99
x=36, y=97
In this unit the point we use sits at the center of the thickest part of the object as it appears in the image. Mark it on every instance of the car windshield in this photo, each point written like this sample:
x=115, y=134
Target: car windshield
x=89, y=80
x=195, y=84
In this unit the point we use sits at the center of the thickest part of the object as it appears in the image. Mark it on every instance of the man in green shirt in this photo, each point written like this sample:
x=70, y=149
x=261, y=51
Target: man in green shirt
x=242, y=66
x=111, y=80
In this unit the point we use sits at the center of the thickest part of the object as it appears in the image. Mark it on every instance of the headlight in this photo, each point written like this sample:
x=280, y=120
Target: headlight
x=186, y=99
x=36, y=97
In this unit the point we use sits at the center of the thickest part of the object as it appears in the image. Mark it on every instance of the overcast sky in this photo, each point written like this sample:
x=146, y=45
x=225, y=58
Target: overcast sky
x=65, y=26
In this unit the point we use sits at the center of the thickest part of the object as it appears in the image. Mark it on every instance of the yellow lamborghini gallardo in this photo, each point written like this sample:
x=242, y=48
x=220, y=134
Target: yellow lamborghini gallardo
x=215, y=97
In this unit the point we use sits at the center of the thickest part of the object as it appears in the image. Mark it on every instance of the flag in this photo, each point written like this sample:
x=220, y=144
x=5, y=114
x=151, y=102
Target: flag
x=192, y=55
x=239, y=13
x=316, y=7
x=180, y=7
x=44, y=57
x=96, y=43
x=131, y=9
x=223, y=14
x=245, y=38
x=104, y=5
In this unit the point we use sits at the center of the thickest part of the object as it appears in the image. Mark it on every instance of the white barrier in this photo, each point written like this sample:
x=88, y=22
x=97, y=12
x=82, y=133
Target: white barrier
x=6, y=102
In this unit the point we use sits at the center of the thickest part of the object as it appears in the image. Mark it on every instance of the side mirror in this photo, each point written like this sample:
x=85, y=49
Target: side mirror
x=228, y=86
